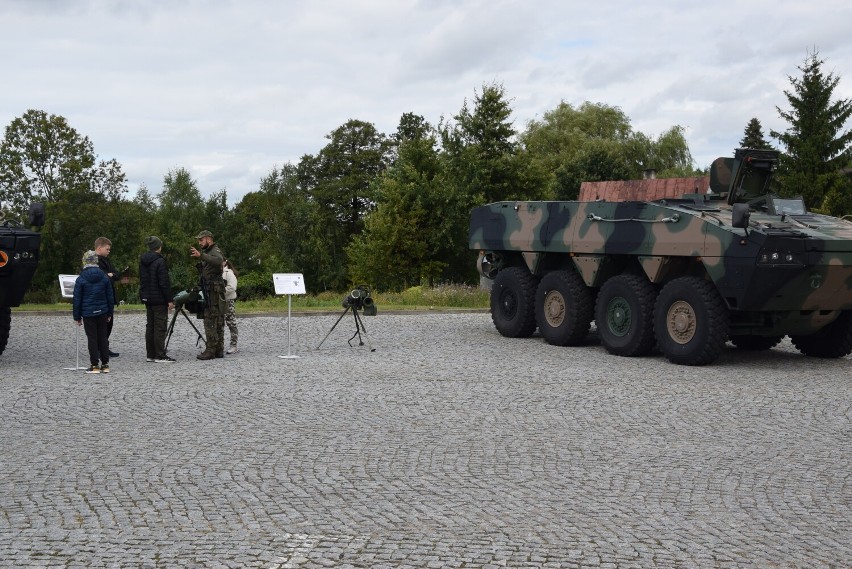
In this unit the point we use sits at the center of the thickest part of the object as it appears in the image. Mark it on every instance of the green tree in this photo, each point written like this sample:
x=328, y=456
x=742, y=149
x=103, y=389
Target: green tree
x=345, y=170
x=217, y=217
x=272, y=229
x=339, y=182
x=816, y=146
x=753, y=136
x=42, y=158
x=481, y=162
x=178, y=219
x=563, y=133
x=598, y=160
x=402, y=241
x=595, y=142
x=668, y=154
x=482, y=156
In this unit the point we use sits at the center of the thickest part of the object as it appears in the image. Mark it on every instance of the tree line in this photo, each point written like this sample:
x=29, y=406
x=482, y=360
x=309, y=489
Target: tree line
x=389, y=210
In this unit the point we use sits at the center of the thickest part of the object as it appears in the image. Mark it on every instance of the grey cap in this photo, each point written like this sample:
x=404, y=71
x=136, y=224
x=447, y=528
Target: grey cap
x=153, y=243
x=204, y=233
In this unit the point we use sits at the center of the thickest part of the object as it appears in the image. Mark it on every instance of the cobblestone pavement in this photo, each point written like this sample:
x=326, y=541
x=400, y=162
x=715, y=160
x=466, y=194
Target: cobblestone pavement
x=449, y=446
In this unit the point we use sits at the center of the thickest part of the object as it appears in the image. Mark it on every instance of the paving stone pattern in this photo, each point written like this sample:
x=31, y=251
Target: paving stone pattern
x=449, y=446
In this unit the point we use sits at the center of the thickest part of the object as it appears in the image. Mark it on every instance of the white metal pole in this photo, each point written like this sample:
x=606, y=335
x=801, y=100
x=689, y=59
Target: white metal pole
x=289, y=317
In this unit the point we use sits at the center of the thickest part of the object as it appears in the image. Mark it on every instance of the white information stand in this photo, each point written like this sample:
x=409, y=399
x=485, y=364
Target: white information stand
x=289, y=284
x=66, y=288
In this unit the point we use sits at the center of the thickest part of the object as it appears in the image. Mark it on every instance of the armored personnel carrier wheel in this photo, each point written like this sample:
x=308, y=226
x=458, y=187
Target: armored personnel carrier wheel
x=755, y=343
x=513, y=302
x=624, y=314
x=563, y=308
x=690, y=321
x=832, y=341
x=5, y=325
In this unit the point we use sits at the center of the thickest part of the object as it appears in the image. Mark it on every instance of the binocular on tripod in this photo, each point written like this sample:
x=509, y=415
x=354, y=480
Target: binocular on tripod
x=359, y=299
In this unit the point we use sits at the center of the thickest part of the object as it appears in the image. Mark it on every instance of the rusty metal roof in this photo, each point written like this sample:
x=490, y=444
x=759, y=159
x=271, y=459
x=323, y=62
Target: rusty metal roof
x=642, y=190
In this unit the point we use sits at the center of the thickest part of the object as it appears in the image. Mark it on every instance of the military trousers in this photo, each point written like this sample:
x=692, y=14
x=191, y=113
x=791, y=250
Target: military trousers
x=214, y=331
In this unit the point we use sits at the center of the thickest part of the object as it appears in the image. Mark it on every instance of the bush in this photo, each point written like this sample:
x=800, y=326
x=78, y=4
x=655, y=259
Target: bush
x=129, y=292
x=449, y=295
x=50, y=296
x=254, y=286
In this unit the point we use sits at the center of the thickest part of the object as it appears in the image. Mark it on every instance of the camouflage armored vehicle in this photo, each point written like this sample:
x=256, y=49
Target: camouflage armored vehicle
x=682, y=275
x=19, y=253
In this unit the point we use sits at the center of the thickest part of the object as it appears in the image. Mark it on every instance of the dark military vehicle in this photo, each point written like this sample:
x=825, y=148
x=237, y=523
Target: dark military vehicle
x=19, y=253
x=682, y=275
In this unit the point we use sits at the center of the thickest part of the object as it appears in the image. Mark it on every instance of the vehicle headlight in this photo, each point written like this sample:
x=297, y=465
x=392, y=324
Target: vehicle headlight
x=776, y=257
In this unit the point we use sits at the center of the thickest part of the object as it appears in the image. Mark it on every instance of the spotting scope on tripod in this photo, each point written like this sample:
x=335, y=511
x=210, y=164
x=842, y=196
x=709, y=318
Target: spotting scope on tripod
x=358, y=299
x=193, y=301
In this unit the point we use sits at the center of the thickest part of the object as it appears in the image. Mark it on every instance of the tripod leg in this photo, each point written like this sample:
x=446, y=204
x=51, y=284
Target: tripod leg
x=200, y=335
x=357, y=329
x=172, y=326
x=359, y=325
x=345, y=310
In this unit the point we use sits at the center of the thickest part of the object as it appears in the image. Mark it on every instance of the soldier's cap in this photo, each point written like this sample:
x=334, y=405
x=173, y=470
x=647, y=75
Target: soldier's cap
x=203, y=233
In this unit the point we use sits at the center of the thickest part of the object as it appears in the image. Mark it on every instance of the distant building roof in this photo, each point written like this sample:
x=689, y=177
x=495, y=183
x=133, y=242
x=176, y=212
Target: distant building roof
x=642, y=190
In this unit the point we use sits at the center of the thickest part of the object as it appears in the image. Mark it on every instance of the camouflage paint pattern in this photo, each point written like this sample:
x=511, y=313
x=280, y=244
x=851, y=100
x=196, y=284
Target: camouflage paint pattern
x=819, y=277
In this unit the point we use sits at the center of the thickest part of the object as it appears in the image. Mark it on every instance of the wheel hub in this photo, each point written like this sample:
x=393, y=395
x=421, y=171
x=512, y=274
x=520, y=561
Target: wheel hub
x=681, y=322
x=618, y=316
x=554, y=308
x=508, y=303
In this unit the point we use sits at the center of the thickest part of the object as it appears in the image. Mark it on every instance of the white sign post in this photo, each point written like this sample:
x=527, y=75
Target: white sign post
x=66, y=288
x=289, y=284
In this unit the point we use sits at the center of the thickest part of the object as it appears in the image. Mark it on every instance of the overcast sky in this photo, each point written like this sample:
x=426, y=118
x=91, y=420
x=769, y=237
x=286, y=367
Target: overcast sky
x=230, y=89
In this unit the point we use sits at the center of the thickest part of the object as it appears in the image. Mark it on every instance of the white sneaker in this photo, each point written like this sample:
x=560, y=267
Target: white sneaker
x=231, y=350
x=149, y=359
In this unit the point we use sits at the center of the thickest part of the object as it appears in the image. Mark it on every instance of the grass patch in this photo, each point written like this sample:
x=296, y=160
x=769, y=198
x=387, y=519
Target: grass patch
x=414, y=298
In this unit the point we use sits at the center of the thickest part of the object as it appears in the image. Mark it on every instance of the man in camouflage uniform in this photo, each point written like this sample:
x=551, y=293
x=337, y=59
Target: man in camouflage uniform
x=213, y=285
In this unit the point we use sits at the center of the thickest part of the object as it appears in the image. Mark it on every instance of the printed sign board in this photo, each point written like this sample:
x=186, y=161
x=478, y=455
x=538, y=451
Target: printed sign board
x=288, y=283
x=66, y=285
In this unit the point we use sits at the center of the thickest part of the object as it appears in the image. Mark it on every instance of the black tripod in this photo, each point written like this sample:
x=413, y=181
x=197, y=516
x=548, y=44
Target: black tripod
x=359, y=327
x=172, y=327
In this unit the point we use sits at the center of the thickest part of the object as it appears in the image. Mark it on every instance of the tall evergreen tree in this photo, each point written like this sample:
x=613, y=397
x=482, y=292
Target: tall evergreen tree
x=753, y=136
x=481, y=163
x=816, y=146
x=402, y=242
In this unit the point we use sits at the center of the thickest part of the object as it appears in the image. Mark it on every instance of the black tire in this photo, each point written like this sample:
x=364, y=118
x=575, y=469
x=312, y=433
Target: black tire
x=563, y=308
x=755, y=343
x=513, y=302
x=624, y=314
x=5, y=326
x=832, y=341
x=691, y=321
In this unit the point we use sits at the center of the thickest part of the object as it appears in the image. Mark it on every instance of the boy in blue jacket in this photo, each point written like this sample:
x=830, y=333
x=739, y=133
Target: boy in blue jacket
x=93, y=303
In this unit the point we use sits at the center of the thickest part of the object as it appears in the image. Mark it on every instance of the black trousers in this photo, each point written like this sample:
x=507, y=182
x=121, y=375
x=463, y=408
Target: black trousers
x=156, y=327
x=96, y=334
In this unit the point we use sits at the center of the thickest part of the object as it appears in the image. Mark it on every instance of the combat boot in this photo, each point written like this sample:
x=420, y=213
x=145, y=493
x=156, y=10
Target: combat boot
x=206, y=355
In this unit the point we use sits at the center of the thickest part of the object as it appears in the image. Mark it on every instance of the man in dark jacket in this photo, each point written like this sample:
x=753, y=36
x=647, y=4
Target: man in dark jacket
x=155, y=290
x=103, y=246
